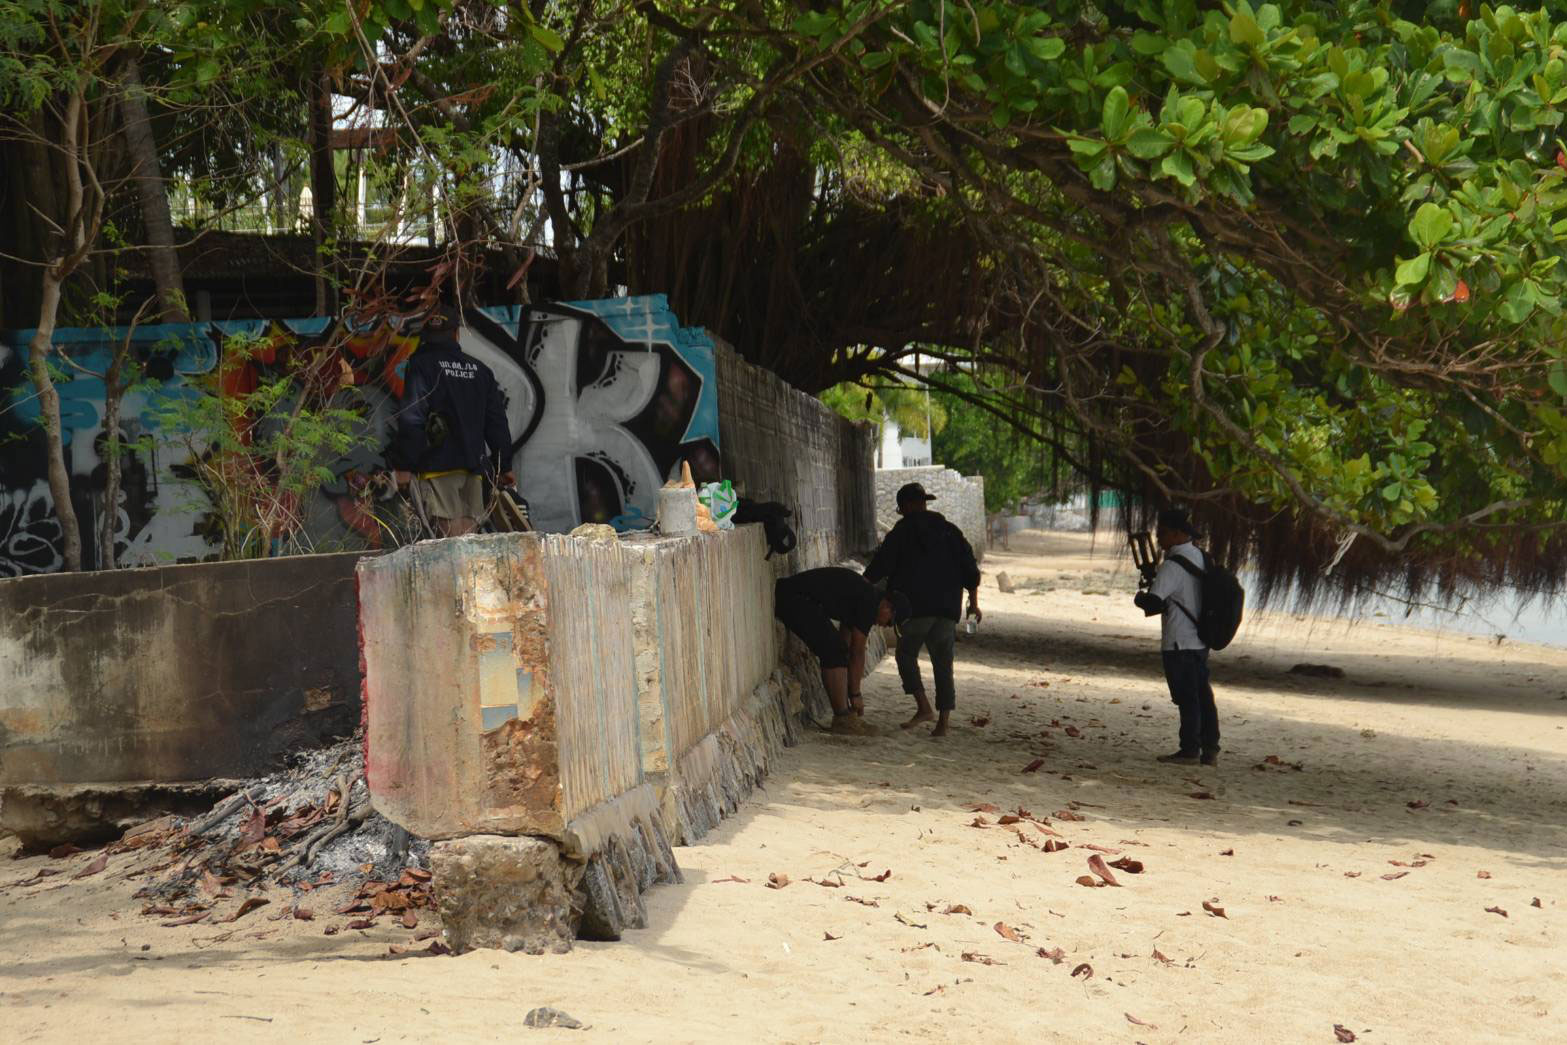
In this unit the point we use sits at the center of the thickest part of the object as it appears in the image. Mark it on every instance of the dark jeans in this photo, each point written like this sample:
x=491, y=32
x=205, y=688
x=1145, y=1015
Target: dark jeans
x=937, y=634
x=1186, y=672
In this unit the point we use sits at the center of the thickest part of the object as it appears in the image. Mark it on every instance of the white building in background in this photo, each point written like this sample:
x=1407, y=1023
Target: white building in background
x=901, y=451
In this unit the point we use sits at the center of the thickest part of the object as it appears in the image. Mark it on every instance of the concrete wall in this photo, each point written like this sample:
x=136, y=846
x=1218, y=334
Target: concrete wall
x=780, y=444
x=960, y=498
x=175, y=673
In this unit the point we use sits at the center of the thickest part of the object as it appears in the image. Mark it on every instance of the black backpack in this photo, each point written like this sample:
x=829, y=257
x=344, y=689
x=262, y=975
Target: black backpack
x=1223, y=602
x=774, y=519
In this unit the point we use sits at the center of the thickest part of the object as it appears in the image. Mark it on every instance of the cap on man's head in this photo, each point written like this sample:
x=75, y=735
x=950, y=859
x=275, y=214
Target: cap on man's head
x=1176, y=519
x=440, y=321
x=901, y=610
x=913, y=493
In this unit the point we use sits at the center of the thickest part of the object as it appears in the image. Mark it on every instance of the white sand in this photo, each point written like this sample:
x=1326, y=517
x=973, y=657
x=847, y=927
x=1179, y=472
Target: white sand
x=1473, y=730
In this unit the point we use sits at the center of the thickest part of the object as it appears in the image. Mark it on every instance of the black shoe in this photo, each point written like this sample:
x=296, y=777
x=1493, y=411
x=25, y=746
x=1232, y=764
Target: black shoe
x=1180, y=758
x=1210, y=758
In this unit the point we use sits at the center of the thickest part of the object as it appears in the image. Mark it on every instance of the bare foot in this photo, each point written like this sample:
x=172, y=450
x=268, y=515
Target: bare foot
x=920, y=716
x=940, y=730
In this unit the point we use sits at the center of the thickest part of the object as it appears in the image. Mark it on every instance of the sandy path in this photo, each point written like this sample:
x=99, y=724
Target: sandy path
x=1315, y=935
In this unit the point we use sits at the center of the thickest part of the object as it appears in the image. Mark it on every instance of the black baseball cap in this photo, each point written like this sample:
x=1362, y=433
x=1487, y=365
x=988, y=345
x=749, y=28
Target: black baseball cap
x=908, y=493
x=901, y=610
x=1177, y=519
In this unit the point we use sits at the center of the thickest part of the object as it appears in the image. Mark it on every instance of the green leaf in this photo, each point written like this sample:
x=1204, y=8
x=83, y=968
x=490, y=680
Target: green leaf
x=337, y=23
x=1045, y=48
x=1557, y=377
x=1091, y=148
x=1245, y=31
x=1113, y=119
x=1178, y=165
x=1149, y=143
x=1148, y=44
x=548, y=37
x=1413, y=272
x=1103, y=175
x=875, y=59
x=1430, y=225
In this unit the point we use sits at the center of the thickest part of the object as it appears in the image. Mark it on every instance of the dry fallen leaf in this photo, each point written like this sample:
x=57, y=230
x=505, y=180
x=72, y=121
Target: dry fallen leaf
x=909, y=920
x=958, y=908
x=1482, y=874
x=1102, y=849
x=1418, y=804
x=1085, y=970
x=1133, y=1019
x=1090, y=881
x=361, y=923
x=1227, y=852
x=1496, y=910
x=60, y=852
x=1343, y=1033
x=980, y=720
x=979, y=821
x=716, y=881
x=935, y=990
x=1055, y=845
x=1073, y=731
x=777, y=880
x=1055, y=954
x=93, y=868
x=829, y=936
x=983, y=807
x=862, y=901
x=189, y=919
x=1128, y=865
x=1201, y=794
x=877, y=877
x=1066, y=814
x=1034, y=765
x=410, y=920
x=1009, y=819
x=1216, y=911
x=1351, y=874
x=982, y=959
x=250, y=904
x=1008, y=933
x=1535, y=902
x=1096, y=864
x=304, y=914
x=1395, y=876
x=1160, y=958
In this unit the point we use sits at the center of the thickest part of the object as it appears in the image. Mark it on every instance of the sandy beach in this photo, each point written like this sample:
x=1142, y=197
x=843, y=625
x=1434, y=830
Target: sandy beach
x=1385, y=852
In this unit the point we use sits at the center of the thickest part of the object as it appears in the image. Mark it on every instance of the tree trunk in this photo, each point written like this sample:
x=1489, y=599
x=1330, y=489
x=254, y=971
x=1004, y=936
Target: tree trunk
x=323, y=193
x=49, y=404
x=153, y=197
x=113, y=395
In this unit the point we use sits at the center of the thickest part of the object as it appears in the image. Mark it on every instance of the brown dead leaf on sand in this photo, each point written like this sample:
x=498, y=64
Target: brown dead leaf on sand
x=826, y=936
x=716, y=881
x=1141, y=1023
x=1496, y=910
x=1089, y=881
x=981, y=959
x=1202, y=794
x=983, y=807
x=862, y=901
x=1033, y=767
x=1215, y=910
x=1084, y=970
x=1055, y=954
x=979, y=821
x=1535, y=902
x=249, y=904
x=93, y=868
x=957, y=908
x=1395, y=876
x=1482, y=874
x=1096, y=864
x=1161, y=958
x=777, y=880
x=1006, y=932
x=1343, y=1033
x=1128, y=865
x=189, y=919
x=877, y=877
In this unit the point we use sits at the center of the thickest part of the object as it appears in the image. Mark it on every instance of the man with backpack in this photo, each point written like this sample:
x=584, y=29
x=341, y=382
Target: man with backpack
x=929, y=560
x=451, y=423
x=1176, y=591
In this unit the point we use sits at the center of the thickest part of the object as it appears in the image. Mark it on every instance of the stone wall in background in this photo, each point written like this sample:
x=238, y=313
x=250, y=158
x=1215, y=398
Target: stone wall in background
x=960, y=498
x=780, y=444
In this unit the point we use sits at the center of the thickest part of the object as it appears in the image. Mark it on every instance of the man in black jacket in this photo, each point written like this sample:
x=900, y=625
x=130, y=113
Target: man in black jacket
x=929, y=560
x=451, y=423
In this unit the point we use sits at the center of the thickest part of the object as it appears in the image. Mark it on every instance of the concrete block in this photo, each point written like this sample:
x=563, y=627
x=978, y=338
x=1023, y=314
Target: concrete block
x=131, y=680
x=499, y=683
x=511, y=893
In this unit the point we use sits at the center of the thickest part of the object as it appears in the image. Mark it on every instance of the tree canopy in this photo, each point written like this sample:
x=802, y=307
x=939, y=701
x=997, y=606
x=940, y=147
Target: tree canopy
x=1293, y=264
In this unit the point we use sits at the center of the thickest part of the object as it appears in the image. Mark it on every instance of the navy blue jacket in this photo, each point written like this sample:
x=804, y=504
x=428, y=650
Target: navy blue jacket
x=441, y=380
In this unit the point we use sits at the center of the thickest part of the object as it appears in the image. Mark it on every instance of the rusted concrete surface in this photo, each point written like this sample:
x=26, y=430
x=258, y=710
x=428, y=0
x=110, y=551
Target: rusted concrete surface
x=174, y=673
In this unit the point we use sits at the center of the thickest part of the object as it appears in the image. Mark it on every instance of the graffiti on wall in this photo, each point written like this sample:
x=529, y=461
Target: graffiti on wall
x=604, y=399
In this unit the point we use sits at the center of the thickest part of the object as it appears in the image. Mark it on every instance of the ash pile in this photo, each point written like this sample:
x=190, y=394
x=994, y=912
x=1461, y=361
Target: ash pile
x=304, y=840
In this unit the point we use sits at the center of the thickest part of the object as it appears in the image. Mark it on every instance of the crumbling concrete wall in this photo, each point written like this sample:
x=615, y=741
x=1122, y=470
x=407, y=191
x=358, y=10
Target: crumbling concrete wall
x=961, y=498
x=164, y=675
x=780, y=444
x=609, y=697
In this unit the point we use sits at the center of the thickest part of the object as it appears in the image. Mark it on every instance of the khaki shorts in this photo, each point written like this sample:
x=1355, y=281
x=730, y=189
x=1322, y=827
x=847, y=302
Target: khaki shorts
x=456, y=495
